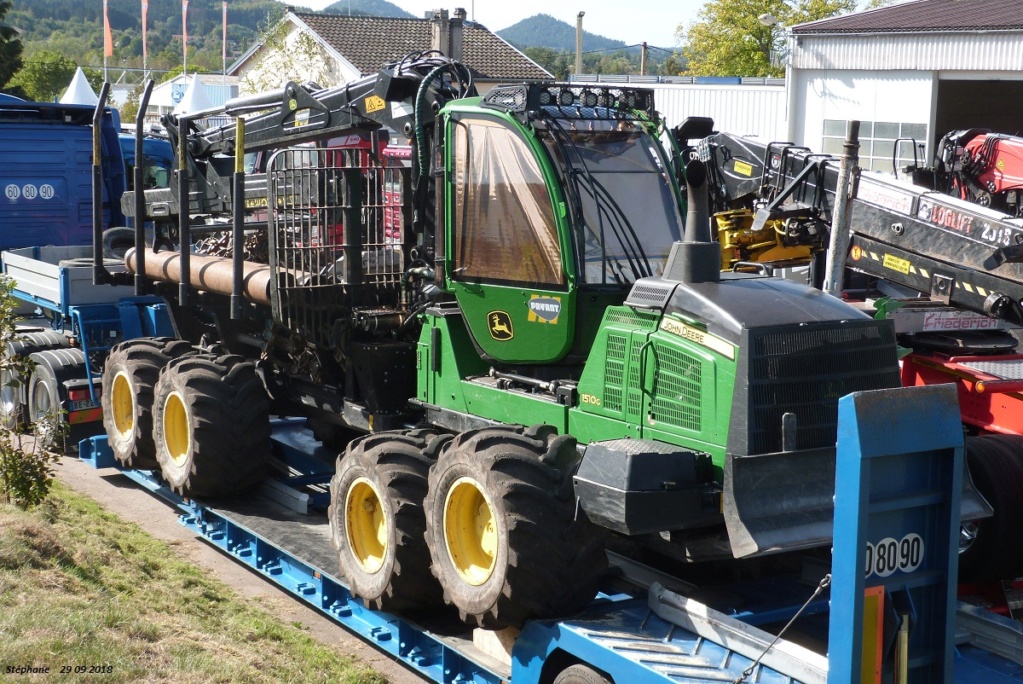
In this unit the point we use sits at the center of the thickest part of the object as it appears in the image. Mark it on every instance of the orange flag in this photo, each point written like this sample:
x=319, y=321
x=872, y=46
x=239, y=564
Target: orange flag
x=108, y=40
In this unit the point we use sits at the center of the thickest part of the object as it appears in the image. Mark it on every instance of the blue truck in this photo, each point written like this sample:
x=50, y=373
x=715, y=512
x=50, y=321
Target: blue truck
x=46, y=177
x=46, y=214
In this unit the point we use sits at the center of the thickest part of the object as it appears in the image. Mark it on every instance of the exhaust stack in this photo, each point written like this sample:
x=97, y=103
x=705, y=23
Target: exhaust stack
x=697, y=259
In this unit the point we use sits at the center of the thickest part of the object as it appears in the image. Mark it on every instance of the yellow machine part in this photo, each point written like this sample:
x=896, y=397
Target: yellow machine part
x=739, y=242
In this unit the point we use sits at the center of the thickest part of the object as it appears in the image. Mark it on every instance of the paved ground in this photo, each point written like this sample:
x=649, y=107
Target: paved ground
x=121, y=496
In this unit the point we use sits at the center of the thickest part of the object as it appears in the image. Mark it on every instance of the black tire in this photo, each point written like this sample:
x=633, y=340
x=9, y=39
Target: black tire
x=995, y=552
x=381, y=481
x=46, y=391
x=13, y=390
x=211, y=424
x=502, y=531
x=582, y=674
x=117, y=242
x=129, y=379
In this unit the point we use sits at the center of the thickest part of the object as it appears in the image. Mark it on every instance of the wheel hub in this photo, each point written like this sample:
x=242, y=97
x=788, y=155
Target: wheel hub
x=366, y=525
x=470, y=532
x=122, y=403
x=177, y=432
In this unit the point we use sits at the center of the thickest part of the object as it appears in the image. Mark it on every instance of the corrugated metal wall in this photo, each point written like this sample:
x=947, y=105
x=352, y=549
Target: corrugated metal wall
x=744, y=110
x=965, y=51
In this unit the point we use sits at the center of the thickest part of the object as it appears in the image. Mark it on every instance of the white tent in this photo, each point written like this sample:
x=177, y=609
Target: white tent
x=79, y=91
x=194, y=99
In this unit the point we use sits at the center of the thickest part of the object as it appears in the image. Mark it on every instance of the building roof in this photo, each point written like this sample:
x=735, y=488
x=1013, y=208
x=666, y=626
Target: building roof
x=369, y=42
x=925, y=16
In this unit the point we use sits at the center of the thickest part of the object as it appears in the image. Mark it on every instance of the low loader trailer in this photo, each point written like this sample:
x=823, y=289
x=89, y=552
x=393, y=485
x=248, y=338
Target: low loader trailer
x=896, y=621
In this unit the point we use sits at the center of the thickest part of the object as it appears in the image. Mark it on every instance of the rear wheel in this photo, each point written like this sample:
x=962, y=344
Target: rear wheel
x=502, y=531
x=211, y=424
x=13, y=389
x=377, y=519
x=990, y=548
x=129, y=379
x=47, y=395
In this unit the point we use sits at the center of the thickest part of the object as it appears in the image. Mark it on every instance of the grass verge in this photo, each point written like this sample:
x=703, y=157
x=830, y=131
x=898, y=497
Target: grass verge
x=81, y=589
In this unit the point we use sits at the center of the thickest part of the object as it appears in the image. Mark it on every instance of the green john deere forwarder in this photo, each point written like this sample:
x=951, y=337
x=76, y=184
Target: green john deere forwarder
x=517, y=310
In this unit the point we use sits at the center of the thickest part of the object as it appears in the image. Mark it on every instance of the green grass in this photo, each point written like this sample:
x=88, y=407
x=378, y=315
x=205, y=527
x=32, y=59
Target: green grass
x=81, y=587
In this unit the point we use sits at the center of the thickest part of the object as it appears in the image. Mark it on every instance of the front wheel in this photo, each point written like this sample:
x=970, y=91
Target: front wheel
x=377, y=521
x=212, y=425
x=502, y=531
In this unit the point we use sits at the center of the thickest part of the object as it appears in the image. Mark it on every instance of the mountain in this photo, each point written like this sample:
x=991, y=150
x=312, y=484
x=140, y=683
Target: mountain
x=543, y=30
x=369, y=8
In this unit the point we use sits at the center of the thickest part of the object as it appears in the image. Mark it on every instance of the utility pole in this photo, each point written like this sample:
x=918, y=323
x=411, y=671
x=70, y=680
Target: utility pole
x=579, y=43
x=642, y=60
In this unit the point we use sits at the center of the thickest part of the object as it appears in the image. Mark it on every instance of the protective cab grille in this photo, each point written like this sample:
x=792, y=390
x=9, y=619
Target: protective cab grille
x=336, y=231
x=805, y=371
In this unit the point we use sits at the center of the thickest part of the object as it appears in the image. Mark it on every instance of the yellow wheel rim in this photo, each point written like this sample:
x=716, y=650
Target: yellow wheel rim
x=470, y=532
x=122, y=403
x=177, y=433
x=366, y=525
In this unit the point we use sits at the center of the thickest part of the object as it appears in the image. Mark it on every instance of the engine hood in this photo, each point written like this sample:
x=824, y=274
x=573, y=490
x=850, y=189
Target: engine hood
x=739, y=301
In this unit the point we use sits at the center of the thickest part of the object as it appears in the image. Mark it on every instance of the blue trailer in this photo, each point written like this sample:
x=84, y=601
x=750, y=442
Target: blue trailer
x=896, y=622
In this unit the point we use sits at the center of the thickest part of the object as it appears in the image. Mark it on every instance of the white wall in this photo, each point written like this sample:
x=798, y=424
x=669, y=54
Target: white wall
x=752, y=111
x=894, y=96
x=301, y=60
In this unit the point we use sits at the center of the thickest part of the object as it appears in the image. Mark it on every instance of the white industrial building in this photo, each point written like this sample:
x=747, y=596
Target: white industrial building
x=915, y=70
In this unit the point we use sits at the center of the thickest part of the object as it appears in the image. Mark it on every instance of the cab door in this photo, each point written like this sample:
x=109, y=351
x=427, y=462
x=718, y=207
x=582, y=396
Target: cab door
x=506, y=244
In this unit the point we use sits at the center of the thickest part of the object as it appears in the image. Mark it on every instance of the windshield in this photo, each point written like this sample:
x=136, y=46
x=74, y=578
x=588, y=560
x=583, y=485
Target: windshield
x=625, y=213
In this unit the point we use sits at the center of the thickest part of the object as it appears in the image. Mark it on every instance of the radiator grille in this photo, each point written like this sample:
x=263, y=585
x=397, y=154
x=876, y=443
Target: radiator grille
x=614, y=371
x=642, y=320
x=677, y=383
x=805, y=372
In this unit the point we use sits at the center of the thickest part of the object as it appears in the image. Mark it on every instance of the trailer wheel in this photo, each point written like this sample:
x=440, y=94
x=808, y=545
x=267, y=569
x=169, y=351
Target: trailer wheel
x=990, y=548
x=377, y=520
x=211, y=425
x=13, y=391
x=129, y=378
x=582, y=674
x=46, y=392
x=502, y=531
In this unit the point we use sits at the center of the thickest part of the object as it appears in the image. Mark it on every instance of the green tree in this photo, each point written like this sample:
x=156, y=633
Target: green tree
x=26, y=465
x=10, y=48
x=45, y=75
x=729, y=39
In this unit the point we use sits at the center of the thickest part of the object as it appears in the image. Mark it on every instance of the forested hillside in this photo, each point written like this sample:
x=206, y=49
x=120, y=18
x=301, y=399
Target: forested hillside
x=74, y=28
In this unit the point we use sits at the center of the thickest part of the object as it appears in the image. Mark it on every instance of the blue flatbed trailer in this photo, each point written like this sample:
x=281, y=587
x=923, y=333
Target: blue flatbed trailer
x=641, y=628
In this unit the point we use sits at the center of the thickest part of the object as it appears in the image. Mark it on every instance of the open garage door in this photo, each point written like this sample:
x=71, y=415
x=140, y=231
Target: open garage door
x=994, y=105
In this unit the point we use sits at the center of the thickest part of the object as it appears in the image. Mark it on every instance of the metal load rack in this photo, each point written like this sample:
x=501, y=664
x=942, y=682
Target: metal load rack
x=642, y=627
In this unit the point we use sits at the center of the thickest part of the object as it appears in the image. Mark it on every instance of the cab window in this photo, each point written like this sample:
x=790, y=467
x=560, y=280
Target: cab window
x=504, y=226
